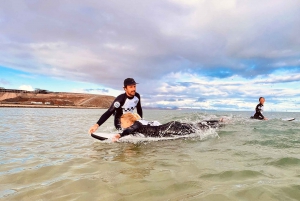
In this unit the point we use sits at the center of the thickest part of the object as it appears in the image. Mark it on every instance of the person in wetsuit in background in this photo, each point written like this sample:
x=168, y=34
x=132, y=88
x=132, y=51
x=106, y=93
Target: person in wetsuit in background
x=124, y=103
x=259, y=110
x=131, y=125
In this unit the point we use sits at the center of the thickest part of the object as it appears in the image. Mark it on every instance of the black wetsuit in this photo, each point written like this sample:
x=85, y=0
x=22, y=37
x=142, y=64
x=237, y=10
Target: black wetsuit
x=169, y=129
x=122, y=104
x=258, y=112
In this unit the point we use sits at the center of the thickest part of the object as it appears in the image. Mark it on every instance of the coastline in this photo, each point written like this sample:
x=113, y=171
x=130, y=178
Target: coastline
x=26, y=99
x=46, y=106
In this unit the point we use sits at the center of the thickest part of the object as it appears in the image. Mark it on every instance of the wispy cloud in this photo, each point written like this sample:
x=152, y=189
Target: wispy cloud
x=97, y=90
x=26, y=87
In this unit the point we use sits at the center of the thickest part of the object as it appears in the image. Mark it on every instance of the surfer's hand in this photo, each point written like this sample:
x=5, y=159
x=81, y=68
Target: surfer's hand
x=265, y=118
x=116, y=137
x=93, y=128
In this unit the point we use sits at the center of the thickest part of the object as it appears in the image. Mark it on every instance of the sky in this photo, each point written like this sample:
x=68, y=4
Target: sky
x=205, y=54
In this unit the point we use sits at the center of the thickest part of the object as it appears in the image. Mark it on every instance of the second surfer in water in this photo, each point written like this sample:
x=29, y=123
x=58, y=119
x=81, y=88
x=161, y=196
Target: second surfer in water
x=259, y=110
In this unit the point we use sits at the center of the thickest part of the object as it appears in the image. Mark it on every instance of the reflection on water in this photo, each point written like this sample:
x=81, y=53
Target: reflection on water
x=46, y=154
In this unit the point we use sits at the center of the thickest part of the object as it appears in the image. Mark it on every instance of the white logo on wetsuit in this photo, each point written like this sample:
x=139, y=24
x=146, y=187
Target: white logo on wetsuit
x=150, y=123
x=261, y=109
x=117, y=104
x=130, y=104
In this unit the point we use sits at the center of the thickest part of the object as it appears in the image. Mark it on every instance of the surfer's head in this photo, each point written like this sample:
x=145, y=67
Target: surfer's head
x=130, y=86
x=261, y=100
x=128, y=119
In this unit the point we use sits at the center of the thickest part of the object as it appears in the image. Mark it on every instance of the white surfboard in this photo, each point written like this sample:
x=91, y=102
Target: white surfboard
x=288, y=119
x=107, y=137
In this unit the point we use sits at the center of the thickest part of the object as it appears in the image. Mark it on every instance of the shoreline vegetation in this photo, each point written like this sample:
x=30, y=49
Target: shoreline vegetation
x=46, y=99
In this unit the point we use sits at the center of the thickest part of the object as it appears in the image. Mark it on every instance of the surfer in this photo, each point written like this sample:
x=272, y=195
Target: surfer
x=131, y=125
x=124, y=103
x=259, y=110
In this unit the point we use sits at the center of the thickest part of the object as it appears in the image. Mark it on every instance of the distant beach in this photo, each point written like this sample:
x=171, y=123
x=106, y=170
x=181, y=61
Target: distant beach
x=46, y=99
x=47, y=106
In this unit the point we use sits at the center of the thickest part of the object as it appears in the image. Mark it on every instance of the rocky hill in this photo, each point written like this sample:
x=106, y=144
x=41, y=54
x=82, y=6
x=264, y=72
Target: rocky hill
x=54, y=99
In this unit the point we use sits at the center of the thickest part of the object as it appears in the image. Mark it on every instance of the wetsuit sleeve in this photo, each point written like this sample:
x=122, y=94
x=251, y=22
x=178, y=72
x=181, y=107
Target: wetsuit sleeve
x=104, y=117
x=116, y=104
x=131, y=129
x=139, y=106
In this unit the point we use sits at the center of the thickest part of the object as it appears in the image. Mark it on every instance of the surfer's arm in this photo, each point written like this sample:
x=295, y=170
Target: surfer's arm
x=93, y=128
x=127, y=131
x=139, y=106
x=116, y=104
x=131, y=129
x=102, y=119
x=261, y=115
x=105, y=116
x=116, y=137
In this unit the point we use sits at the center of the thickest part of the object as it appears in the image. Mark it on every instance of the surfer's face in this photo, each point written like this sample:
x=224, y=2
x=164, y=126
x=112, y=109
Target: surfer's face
x=130, y=90
x=125, y=123
x=262, y=100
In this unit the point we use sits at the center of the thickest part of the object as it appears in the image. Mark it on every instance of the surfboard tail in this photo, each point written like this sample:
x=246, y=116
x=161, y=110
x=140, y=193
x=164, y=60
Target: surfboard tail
x=98, y=137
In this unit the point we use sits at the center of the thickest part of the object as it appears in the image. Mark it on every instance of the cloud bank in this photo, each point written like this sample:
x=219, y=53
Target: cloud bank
x=206, y=54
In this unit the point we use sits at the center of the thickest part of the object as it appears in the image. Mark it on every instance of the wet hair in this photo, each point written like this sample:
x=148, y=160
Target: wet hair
x=260, y=98
x=131, y=117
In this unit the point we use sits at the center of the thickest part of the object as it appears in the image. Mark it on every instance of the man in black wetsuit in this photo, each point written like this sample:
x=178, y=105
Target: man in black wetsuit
x=259, y=110
x=124, y=103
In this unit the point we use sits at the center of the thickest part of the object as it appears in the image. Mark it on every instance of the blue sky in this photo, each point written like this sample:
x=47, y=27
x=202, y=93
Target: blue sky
x=220, y=55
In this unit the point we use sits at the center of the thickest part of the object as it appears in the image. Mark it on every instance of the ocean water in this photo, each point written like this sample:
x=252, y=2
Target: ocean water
x=47, y=154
